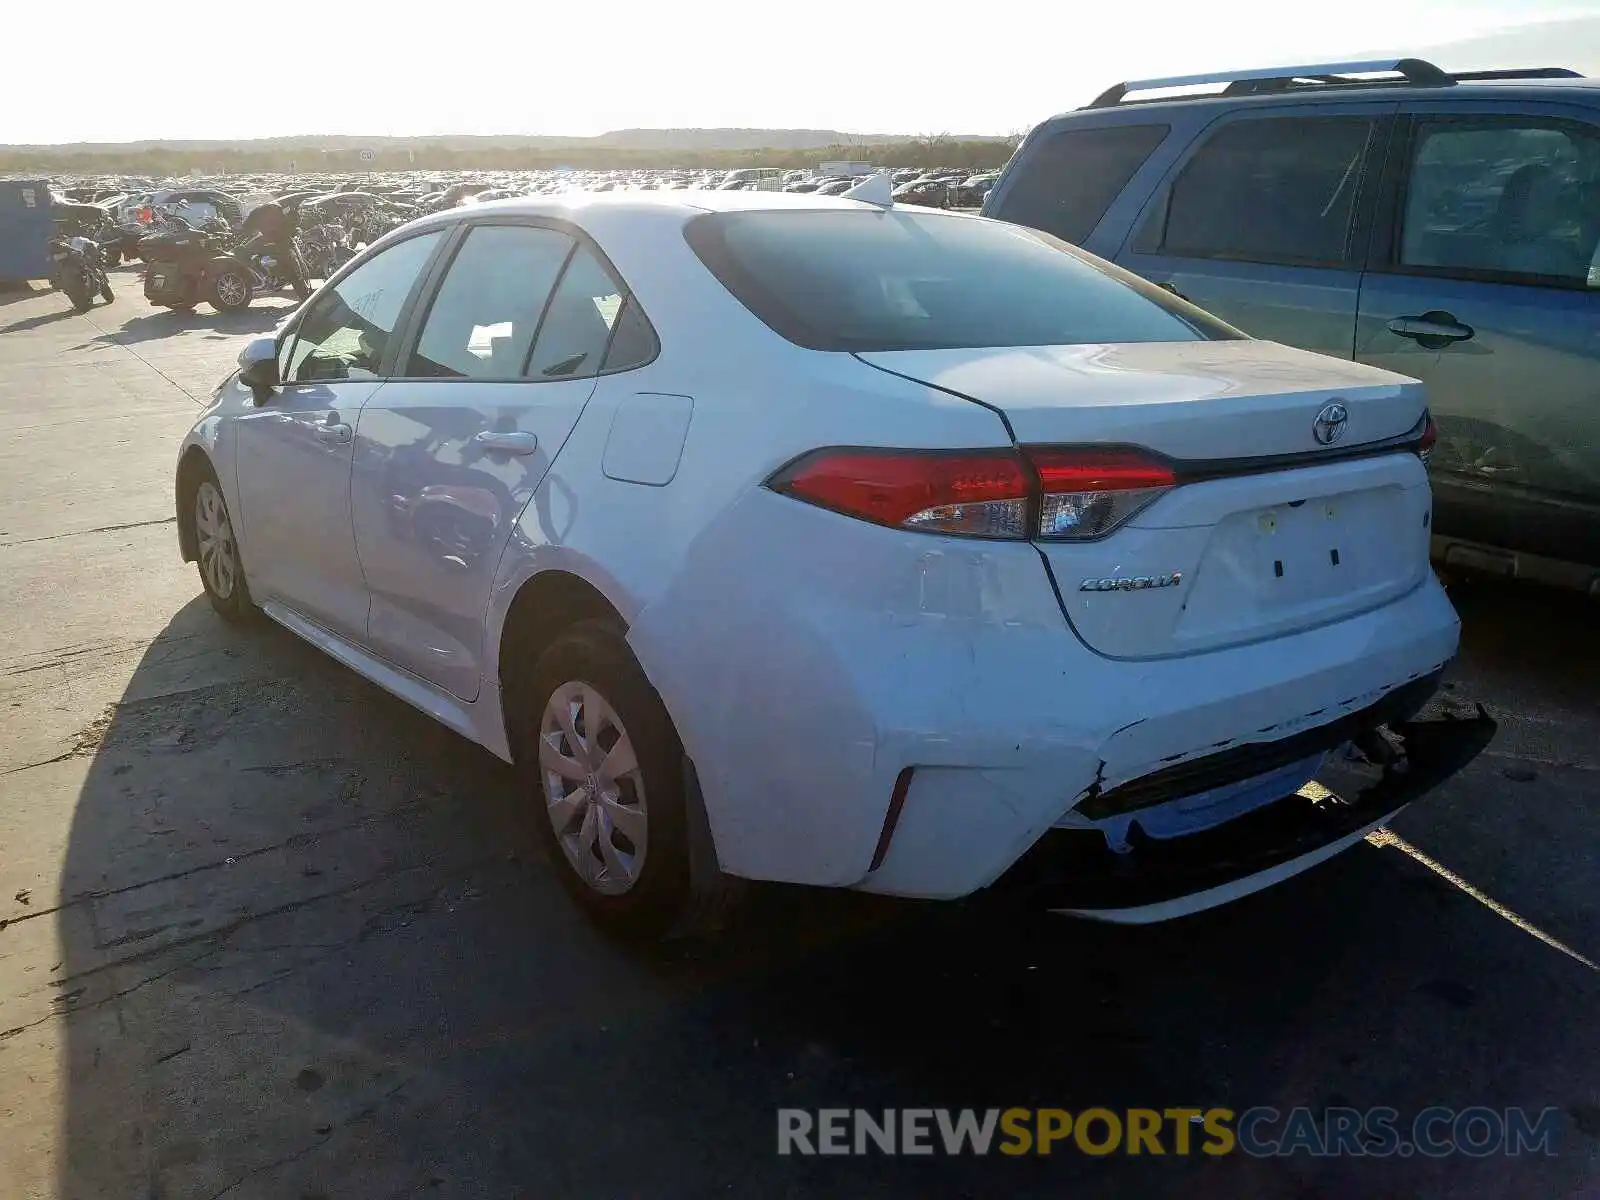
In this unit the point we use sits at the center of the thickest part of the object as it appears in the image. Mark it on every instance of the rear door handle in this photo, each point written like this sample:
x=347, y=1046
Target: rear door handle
x=506, y=443
x=1432, y=329
x=333, y=435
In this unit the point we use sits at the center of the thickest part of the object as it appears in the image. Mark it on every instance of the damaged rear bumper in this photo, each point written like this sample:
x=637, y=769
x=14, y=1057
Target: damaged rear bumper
x=1074, y=871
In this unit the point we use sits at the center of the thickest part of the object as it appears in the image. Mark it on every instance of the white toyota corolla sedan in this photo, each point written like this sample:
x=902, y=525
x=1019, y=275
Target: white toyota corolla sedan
x=814, y=539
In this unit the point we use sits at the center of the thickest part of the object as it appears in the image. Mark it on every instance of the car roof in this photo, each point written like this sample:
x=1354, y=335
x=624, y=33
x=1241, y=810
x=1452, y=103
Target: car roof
x=588, y=208
x=1587, y=87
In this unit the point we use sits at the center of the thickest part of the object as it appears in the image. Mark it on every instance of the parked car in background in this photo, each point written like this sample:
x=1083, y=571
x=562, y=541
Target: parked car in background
x=931, y=193
x=794, y=538
x=1445, y=226
x=197, y=205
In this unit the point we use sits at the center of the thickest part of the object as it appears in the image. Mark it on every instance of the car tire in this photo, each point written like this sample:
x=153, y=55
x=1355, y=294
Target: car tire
x=625, y=857
x=216, y=547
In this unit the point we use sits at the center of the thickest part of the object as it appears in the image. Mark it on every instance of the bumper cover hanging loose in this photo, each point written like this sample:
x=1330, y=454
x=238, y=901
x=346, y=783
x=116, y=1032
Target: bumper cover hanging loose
x=1075, y=871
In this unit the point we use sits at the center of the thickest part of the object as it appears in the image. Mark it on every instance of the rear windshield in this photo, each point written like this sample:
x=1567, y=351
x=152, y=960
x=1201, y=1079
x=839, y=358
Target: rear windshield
x=861, y=280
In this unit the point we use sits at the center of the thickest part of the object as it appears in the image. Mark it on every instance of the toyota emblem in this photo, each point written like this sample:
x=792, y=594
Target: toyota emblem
x=1330, y=423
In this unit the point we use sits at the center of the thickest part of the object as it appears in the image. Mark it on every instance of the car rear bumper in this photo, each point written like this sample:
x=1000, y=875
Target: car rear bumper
x=907, y=714
x=1074, y=871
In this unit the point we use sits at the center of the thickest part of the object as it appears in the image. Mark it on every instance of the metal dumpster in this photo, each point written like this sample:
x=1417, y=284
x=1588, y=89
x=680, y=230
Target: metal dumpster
x=24, y=229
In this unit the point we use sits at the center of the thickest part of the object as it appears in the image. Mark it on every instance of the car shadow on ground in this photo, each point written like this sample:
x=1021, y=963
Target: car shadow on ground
x=309, y=951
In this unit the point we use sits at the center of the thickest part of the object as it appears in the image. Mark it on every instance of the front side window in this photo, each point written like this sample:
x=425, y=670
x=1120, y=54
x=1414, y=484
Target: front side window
x=1507, y=197
x=1064, y=184
x=346, y=331
x=902, y=280
x=483, y=319
x=1271, y=190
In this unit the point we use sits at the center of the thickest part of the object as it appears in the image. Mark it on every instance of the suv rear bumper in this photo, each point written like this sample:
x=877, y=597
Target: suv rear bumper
x=1073, y=871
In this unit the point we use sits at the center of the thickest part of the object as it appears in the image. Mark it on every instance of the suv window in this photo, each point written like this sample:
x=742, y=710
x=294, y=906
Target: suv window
x=577, y=325
x=1506, y=196
x=1064, y=184
x=346, y=331
x=485, y=313
x=1272, y=190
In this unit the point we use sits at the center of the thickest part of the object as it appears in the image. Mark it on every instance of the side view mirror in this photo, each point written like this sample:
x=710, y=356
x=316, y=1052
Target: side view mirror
x=258, y=367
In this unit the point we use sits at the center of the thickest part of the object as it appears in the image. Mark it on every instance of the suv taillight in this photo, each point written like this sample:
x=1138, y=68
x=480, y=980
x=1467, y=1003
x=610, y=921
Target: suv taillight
x=1430, y=436
x=1051, y=492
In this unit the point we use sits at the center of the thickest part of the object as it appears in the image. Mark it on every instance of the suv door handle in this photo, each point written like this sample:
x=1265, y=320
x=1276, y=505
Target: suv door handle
x=506, y=443
x=333, y=435
x=1432, y=329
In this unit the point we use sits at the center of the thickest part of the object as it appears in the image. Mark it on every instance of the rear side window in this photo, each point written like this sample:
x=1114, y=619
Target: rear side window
x=577, y=326
x=1271, y=190
x=1504, y=197
x=898, y=280
x=1064, y=184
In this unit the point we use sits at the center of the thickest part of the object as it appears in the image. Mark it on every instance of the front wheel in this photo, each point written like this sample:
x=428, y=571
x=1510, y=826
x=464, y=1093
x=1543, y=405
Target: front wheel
x=231, y=290
x=217, y=550
x=106, y=293
x=604, y=782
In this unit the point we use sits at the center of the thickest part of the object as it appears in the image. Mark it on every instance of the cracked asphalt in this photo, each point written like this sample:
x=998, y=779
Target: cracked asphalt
x=266, y=932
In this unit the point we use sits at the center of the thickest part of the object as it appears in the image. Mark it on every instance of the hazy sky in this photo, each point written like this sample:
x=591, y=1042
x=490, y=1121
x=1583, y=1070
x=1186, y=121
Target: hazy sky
x=400, y=67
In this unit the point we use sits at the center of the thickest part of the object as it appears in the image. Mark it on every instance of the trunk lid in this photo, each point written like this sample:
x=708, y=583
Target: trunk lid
x=1243, y=553
x=1188, y=400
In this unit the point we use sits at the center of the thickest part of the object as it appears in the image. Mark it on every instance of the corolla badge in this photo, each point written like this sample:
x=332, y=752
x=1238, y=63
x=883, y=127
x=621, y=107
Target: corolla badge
x=1132, y=583
x=1330, y=424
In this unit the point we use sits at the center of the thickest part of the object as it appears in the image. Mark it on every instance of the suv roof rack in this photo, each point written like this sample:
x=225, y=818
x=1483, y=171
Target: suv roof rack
x=1413, y=72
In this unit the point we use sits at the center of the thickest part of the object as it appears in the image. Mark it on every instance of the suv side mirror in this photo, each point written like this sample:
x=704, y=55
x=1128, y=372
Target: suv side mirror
x=258, y=367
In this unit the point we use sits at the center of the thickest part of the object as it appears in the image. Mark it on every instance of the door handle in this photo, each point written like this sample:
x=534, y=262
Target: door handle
x=1432, y=329
x=515, y=442
x=333, y=435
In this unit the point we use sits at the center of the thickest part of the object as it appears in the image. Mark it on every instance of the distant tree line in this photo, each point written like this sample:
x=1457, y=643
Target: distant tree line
x=933, y=151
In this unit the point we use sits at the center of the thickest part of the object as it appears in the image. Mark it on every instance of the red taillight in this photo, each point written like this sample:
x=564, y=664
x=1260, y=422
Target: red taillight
x=979, y=493
x=1047, y=492
x=1430, y=435
x=1089, y=491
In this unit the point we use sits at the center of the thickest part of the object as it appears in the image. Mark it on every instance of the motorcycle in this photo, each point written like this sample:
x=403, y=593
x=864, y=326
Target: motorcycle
x=76, y=269
x=187, y=264
x=184, y=264
x=323, y=248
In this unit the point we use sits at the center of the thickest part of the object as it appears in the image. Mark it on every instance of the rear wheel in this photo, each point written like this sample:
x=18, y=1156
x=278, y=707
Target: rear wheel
x=231, y=290
x=603, y=775
x=217, y=550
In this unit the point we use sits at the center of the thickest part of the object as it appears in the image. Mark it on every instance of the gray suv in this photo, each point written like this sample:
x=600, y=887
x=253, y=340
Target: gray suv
x=1445, y=226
